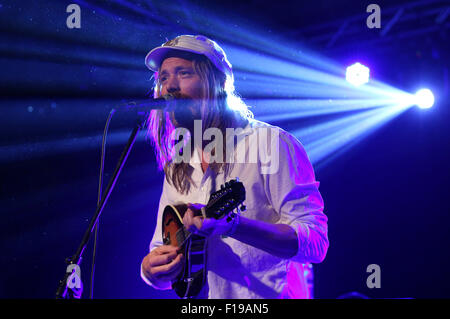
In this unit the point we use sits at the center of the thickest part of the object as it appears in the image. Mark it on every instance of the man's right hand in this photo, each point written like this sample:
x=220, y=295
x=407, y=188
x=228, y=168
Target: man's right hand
x=162, y=264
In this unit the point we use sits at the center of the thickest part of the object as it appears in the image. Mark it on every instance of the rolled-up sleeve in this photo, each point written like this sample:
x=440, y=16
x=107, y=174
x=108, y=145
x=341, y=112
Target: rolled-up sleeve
x=294, y=194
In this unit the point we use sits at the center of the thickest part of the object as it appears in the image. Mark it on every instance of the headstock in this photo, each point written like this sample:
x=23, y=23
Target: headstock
x=227, y=198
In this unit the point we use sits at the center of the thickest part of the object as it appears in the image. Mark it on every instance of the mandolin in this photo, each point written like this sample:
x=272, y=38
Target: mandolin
x=221, y=204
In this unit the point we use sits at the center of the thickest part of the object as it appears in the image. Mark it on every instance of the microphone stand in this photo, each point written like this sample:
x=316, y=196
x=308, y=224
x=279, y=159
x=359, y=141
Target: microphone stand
x=63, y=291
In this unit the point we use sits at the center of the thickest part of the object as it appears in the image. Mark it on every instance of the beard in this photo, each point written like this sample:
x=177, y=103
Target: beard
x=185, y=111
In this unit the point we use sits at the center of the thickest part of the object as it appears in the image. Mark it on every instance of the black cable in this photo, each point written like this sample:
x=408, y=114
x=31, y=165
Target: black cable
x=99, y=197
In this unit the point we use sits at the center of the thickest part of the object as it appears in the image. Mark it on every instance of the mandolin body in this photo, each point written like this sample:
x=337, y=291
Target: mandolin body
x=193, y=276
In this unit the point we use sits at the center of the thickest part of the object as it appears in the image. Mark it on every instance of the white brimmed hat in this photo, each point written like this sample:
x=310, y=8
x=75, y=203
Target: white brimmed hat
x=196, y=44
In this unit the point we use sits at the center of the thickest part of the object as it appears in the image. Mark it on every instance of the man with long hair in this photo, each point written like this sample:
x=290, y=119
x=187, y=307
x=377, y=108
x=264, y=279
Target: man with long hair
x=261, y=253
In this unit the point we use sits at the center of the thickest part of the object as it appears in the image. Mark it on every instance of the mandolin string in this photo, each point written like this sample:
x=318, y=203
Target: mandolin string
x=190, y=234
x=230, y=214
x=184, y=242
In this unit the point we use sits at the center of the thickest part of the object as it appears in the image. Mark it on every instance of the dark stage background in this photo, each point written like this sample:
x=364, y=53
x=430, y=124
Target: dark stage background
x=386, y=198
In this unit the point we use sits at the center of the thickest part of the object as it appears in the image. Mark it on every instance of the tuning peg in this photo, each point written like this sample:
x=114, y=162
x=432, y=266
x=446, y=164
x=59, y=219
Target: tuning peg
x=243, y=208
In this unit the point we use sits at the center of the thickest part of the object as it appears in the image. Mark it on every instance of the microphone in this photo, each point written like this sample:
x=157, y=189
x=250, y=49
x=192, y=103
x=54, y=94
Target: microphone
x=166, y=102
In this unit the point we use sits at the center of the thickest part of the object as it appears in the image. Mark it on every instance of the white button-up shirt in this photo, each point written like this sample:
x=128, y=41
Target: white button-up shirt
x=280, y=188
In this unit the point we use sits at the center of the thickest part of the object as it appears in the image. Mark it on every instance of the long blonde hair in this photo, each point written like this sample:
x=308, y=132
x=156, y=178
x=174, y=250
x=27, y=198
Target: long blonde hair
x=221, y=108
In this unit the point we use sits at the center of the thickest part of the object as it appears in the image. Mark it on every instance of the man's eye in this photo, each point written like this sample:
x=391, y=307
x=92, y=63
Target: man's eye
x=185, y=72
x=162, y=79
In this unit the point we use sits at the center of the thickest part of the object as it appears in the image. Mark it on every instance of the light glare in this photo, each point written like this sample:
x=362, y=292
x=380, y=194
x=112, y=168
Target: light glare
x=424, y=98
x=357, y=74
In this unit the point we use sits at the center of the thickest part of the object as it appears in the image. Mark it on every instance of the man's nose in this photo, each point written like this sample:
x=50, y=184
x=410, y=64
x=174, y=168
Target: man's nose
x=172, y=85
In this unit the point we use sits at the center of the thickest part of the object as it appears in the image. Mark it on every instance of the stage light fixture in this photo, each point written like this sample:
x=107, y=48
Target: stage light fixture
x=424, y=98
x=357, y=74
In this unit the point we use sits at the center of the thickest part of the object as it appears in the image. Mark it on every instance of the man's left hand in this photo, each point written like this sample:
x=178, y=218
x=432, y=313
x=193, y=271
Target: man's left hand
x=204, y=226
